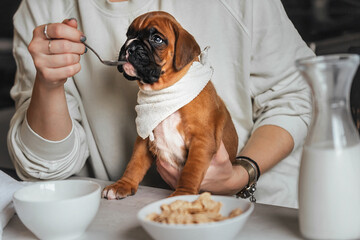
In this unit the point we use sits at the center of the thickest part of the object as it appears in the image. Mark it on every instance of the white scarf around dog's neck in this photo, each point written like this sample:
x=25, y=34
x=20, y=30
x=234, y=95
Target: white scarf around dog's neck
x=154, y=106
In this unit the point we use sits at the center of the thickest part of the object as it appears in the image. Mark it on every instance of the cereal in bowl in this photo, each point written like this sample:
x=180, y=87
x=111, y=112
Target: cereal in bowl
x=202, y=210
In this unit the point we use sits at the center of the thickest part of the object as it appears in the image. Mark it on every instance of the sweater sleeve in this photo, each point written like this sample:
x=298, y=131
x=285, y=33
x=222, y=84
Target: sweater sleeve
x=33, y=156
x=280, y=95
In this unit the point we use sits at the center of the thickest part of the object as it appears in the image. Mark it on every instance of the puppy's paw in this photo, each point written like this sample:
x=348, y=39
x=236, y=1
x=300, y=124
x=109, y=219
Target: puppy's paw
x=119, y=190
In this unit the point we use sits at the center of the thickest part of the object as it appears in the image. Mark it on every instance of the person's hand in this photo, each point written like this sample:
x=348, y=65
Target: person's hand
x=218, y=179
x=219, y=172
x=168, y=173
x=57, y=55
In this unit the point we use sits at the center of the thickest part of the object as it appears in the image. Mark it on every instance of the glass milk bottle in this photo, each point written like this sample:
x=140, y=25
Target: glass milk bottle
x=329, y=181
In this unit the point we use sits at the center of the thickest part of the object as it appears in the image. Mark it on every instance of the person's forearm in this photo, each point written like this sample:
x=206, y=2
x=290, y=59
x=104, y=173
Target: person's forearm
x=268, y=145
x=56, y=49
x=48, y=113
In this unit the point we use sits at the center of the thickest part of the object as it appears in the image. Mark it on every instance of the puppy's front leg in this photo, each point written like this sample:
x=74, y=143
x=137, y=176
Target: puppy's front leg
x=139, y=164
x=197, y=163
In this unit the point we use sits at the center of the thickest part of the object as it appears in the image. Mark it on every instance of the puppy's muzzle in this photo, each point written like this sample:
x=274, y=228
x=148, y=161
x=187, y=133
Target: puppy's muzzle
x=142, y=59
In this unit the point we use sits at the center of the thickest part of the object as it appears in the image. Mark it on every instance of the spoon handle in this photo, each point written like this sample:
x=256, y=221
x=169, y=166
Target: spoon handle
x=106, y=62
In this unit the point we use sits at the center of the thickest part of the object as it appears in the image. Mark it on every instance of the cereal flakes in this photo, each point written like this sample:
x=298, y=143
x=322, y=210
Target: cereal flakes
x=202, y=210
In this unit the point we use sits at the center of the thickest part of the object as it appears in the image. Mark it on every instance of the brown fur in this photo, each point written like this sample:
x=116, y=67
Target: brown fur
x=205, y=121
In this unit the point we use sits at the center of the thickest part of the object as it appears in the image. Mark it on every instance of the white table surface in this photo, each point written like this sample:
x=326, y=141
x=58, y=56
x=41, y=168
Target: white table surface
x=116, y=219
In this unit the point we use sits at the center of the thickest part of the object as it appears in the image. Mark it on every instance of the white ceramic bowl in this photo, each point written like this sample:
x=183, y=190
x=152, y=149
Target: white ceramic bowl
x=58, y=209
x=224, y=230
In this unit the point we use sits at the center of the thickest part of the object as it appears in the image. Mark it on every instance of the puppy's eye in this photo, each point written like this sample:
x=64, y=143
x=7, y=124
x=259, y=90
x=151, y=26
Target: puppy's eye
x=157, y=39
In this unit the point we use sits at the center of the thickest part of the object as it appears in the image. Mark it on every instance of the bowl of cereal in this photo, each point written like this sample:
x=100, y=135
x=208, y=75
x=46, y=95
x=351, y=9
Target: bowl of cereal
x=195, y=217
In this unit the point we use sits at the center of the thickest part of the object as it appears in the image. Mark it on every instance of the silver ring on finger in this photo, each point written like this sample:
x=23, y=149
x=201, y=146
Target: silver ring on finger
x=45, y=32
x=49, y=46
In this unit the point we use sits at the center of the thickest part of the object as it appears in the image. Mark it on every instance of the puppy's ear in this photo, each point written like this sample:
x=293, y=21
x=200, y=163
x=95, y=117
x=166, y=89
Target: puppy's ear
x=186, y=49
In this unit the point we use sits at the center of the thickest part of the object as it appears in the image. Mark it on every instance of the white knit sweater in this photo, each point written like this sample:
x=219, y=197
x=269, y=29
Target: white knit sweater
x=253, y=49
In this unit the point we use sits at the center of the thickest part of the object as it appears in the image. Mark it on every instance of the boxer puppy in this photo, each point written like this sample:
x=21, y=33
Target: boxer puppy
x=159, y=53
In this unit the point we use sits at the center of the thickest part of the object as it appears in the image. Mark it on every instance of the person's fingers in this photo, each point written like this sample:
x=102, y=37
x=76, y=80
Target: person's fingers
x=60, y=31
x=168, y=179
x=54, y=74
x=168, y=173
x=56, y=49
x=167, y=166
x=62, y=46
x=221, y=155
x=60, y=60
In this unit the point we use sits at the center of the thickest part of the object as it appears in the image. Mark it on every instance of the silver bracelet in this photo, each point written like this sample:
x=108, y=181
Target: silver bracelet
x=252, y=169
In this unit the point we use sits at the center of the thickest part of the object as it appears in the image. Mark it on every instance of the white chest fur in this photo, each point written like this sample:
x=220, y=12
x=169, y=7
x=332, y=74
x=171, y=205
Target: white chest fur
x=169, y=144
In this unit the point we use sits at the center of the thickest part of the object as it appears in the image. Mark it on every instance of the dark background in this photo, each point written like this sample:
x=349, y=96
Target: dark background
x=7, y=63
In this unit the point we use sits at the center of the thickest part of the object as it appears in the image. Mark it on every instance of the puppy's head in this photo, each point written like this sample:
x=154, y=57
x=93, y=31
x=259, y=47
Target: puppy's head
x=158, y=51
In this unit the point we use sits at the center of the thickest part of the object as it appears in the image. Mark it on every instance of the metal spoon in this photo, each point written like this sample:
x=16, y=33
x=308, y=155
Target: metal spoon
x=106, y=62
